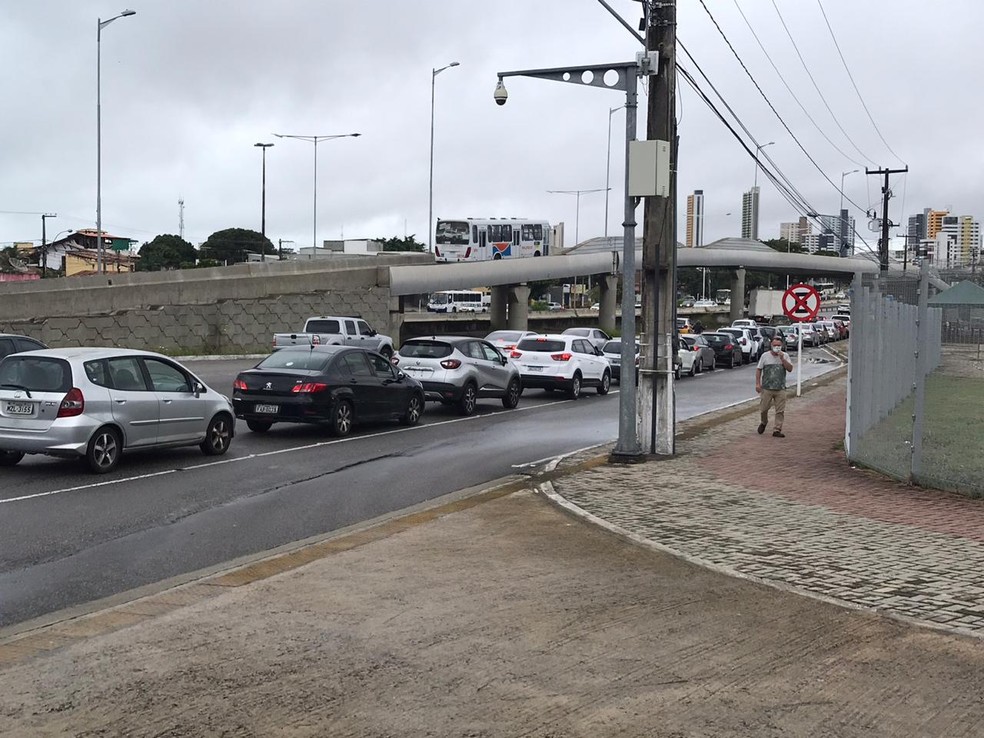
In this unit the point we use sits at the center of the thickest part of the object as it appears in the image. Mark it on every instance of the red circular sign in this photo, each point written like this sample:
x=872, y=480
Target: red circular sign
x=801, y=303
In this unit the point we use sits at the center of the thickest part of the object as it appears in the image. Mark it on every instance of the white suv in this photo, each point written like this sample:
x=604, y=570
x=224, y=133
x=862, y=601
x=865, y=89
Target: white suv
x=562, y=362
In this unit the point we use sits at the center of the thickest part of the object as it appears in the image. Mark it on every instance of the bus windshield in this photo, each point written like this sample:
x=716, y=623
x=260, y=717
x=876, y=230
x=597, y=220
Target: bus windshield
x=453, y=232
x=440, y=298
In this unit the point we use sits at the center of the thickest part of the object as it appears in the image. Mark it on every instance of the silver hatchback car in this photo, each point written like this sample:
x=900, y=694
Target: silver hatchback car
x=95, y=403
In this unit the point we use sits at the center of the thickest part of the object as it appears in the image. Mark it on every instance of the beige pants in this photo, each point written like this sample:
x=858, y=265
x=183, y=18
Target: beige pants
x=768, y=398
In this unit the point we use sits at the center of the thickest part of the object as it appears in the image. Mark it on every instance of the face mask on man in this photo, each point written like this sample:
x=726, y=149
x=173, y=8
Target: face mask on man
x=776, y=348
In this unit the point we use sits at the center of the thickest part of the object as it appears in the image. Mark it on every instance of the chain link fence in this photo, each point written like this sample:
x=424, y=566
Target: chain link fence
x=916, y=384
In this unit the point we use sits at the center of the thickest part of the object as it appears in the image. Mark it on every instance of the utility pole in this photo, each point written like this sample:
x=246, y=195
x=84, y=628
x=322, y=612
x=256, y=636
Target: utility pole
x=885, y=222
x=657, y=412
x=44, y=243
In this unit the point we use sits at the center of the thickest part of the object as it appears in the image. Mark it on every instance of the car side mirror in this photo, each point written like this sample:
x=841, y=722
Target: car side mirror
x=199, y=388
x=599, y=352
x=400, y=376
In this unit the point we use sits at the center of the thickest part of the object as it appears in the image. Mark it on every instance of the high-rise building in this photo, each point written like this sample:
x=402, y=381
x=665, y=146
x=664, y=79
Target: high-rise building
x=695, y=219
x=750, y=214
x=958, y=241
x=810, y=242
x=934, y=221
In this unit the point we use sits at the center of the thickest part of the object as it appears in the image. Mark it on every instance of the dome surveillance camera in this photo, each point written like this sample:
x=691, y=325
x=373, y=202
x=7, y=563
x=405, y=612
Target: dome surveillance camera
x=500, y=94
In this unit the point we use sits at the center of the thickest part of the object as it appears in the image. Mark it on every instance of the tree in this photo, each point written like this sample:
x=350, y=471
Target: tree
x=409, y=243
x=166, y=252
x=234, y=245
x=784, y=246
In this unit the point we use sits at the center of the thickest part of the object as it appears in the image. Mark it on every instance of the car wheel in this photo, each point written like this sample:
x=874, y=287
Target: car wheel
x=414, y=409
x=103, y=452
x=259, y=426
x=218, y=437
x=606, y=384
x=513, y=391
x=341, y=419
x=676, y=372
x=694, y=369
x=468, y=401
x=574, y=391
x=10, y=458
x=386, y=352
x=733, y=364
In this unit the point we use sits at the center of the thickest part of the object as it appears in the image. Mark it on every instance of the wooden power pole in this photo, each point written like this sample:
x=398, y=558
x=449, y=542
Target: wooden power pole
x=657, y=411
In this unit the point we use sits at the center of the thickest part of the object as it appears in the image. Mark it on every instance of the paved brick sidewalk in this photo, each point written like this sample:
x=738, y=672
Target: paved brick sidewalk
x=792, y=512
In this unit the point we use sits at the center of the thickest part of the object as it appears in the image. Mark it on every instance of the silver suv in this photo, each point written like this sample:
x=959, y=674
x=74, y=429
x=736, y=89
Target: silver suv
x=95, y=403
x=459, y=370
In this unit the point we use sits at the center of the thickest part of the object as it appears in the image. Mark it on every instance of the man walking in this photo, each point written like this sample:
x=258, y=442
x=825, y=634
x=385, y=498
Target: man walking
x=770, y=382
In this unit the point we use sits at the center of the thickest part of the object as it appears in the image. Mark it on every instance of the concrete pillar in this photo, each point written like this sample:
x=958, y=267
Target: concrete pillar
x=497, y=310
x=608, y=284
x=738, y=294
x=519, y=307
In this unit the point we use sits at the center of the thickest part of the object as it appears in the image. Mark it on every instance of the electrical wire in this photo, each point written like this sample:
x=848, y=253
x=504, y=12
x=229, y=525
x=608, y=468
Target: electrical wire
x=854, y=84
x=764, y=97
x=816, y=86
x=802, y=107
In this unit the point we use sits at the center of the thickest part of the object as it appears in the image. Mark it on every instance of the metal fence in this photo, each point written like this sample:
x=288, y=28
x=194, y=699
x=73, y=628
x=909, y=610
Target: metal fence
x=915, y=387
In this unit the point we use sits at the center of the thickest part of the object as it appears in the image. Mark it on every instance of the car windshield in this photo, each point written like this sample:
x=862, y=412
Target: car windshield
x=541, y=344
x=36, y=373
x=716, y=338
x=577, y=332
x=307, y=360
x=424, y=349
x=612, y=347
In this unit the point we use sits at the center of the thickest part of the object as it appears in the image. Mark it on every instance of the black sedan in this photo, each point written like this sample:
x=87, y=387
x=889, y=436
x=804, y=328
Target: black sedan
x=727, y=350
x=337, y=386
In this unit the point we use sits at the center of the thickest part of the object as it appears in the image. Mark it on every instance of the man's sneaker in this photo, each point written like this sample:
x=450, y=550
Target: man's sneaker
x=778, y=434
x=761, y=428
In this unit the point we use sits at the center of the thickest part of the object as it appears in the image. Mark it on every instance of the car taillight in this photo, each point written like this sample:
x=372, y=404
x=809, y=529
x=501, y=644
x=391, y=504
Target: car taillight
x=72, y=404
x=309, y=388
x=562, y=357
x=729, y=347
x=315, y=340
x=696, y=348
x=240, y=385
x=450, y=364
x=515, y=354
x=394, y=360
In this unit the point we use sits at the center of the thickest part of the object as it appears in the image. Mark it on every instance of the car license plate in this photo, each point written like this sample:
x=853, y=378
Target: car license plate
x=534, y=368
x=270, y=409
x=19, y=408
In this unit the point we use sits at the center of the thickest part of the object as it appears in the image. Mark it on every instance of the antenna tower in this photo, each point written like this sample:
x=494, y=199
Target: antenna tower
x=181, y=218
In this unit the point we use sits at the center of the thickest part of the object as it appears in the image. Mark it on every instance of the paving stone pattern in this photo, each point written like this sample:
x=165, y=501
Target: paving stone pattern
x=792, y=512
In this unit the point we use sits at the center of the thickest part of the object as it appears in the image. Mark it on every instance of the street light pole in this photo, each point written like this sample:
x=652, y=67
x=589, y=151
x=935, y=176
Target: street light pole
x=263, y=147
x=100, y=24
x=757, y=150
x=577, y=208
x=315, y=140
x=608, y=163
x=840, y=211
x=44, y=242
x=430, y=188
x=627, y=446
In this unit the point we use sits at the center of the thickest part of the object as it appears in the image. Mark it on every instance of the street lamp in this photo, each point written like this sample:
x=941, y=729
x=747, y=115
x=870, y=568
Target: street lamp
x=627, y=446
x=315, y=140
x=263, y=147
x=577, y=209
x=430, y=189
x=840, y=212
x=100, y=24
x=757, y=150
x=608, y=163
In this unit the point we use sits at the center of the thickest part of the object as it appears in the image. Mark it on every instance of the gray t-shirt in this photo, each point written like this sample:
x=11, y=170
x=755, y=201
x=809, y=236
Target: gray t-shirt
x=773, y=372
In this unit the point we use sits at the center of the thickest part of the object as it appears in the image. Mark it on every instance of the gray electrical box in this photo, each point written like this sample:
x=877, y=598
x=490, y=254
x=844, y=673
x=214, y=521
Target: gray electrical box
x=649, y=168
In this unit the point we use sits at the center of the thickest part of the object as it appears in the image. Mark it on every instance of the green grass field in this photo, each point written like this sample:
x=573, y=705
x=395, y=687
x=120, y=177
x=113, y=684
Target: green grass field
x=953, y=436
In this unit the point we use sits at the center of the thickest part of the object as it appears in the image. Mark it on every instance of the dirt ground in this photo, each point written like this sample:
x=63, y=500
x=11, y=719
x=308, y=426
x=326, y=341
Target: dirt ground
x=507, y=619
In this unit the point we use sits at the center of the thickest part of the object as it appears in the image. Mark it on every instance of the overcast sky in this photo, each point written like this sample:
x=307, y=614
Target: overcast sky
x=188, y=86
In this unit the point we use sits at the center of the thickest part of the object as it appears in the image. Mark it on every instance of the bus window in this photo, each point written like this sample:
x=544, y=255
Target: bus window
x=474, y=234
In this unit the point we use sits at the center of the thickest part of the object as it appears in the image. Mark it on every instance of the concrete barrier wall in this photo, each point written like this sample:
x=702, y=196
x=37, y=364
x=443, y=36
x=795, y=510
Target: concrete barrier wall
x=225, y=310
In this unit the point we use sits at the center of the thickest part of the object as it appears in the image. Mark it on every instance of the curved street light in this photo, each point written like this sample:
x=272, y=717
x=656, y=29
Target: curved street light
x=263, y=147
x=840, y=211
x=100, y=24
x=430, y=189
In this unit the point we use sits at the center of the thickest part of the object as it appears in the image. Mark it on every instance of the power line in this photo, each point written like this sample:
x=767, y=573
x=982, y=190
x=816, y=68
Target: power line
x=802, y=107
x=815, y=85
x=854, y=84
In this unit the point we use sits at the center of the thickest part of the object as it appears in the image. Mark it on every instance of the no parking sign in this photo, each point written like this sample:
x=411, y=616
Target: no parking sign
x=801, y=303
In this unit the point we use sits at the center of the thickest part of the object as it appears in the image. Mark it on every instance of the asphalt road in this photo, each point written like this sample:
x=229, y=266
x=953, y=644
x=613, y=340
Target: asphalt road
x=67, y=537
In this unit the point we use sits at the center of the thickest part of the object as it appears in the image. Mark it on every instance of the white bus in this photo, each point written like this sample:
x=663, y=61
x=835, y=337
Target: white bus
x=485, y=239
x=458, y=301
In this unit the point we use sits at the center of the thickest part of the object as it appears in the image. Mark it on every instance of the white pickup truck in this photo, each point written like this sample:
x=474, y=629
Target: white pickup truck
x=336, y=330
